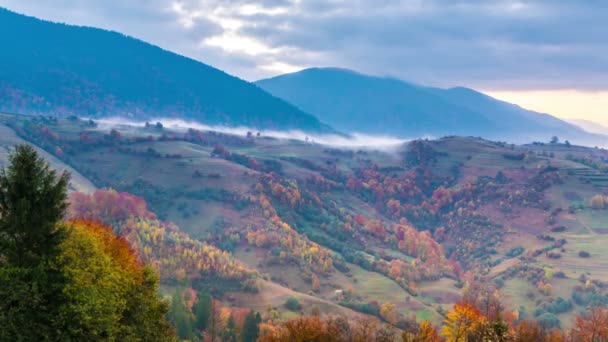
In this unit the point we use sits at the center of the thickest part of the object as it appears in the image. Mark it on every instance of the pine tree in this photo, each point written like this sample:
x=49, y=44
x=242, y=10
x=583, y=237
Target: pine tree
x=181, y=317
x=33, y=201
x=202, y=310
x=229, y=333
x=251, y=327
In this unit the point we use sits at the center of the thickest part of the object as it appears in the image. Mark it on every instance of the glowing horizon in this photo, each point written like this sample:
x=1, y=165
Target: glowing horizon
x=564, y=104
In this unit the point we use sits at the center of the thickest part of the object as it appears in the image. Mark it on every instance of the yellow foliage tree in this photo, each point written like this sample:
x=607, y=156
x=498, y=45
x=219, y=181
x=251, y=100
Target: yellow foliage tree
x=461, y=322
x=427, y=333
x=388, y=311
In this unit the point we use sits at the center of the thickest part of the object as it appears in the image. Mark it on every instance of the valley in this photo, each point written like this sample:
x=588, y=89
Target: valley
x=346, y=231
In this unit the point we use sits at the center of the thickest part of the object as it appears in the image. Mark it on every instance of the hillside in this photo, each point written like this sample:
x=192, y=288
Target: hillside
x=51, y=68
x=348, y=230
x=353, y=102
x=8, y=138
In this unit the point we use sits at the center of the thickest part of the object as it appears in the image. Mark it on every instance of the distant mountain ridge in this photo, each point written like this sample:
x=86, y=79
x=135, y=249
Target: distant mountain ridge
x=51, y=68
x=351, y=101
x=590, y=126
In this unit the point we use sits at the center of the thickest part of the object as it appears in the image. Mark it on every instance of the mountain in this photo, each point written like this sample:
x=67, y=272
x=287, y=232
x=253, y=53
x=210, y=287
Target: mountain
x=351, y=101
x=589, y=126
x=51, y=68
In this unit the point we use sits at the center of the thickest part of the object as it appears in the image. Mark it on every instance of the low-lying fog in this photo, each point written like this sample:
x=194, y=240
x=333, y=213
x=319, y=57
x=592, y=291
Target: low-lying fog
x=352, y=141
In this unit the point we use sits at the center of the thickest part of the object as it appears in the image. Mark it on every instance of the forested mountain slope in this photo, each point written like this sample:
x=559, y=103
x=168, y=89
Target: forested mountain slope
x=52, y=68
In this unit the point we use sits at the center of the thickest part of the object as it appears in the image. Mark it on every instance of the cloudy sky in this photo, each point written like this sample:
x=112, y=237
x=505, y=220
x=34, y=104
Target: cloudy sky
x=548, y=55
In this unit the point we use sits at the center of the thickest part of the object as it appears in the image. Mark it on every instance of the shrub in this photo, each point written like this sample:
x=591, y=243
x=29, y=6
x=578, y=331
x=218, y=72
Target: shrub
x=292, y=304
x=365, y=308
x=514, y=156
x=539, y=311
x=549, y=321
x=515, y=252
x=554, y=255
x=584, y=254
x=560, y=305
x=560, y=274
x=599, y=202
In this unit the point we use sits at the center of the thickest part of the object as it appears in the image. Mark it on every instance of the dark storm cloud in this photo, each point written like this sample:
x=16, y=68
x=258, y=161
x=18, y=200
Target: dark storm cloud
x=503, y=44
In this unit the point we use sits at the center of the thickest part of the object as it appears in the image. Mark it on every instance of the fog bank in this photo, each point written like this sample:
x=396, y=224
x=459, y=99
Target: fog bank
x=352, y=141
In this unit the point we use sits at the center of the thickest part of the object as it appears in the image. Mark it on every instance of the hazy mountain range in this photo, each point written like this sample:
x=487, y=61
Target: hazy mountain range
x=50, y=68
x=351, y=101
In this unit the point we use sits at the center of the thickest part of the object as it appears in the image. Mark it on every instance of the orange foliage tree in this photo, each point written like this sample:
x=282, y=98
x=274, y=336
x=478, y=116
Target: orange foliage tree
x=592, y=326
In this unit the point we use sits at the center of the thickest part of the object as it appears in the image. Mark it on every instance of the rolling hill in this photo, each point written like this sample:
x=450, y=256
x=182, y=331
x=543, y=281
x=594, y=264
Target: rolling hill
x=51, y=68
x=346, y=230
x=8, y=138
x=351, y=101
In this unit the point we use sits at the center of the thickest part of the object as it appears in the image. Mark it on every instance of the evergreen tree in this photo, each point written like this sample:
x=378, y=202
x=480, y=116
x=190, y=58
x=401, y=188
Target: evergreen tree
x=33, y=201
x=181, y=317
x=202, y=310
x=229, y=333
x=251, y=327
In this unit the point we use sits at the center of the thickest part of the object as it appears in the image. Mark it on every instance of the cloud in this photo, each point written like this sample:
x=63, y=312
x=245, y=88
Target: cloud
x=493, y=45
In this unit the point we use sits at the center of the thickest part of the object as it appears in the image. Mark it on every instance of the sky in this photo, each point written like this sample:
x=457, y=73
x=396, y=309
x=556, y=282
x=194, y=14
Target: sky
x=546, y=55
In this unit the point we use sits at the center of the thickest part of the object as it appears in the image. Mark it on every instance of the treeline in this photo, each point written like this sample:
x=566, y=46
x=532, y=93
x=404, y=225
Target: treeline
x=198, y=316
x=479, y=317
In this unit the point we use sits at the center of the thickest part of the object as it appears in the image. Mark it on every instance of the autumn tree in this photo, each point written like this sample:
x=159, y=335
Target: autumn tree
x=316, y=285
x=388, y=311
x=461, y=322
x=365, y=329
x=109, y=293
x=307, y=329
x=427, y=333
x=592, y=326
x=529, y=331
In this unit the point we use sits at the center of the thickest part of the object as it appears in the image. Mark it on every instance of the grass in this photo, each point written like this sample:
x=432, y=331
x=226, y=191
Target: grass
x=596, y=220
x=425, y=315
